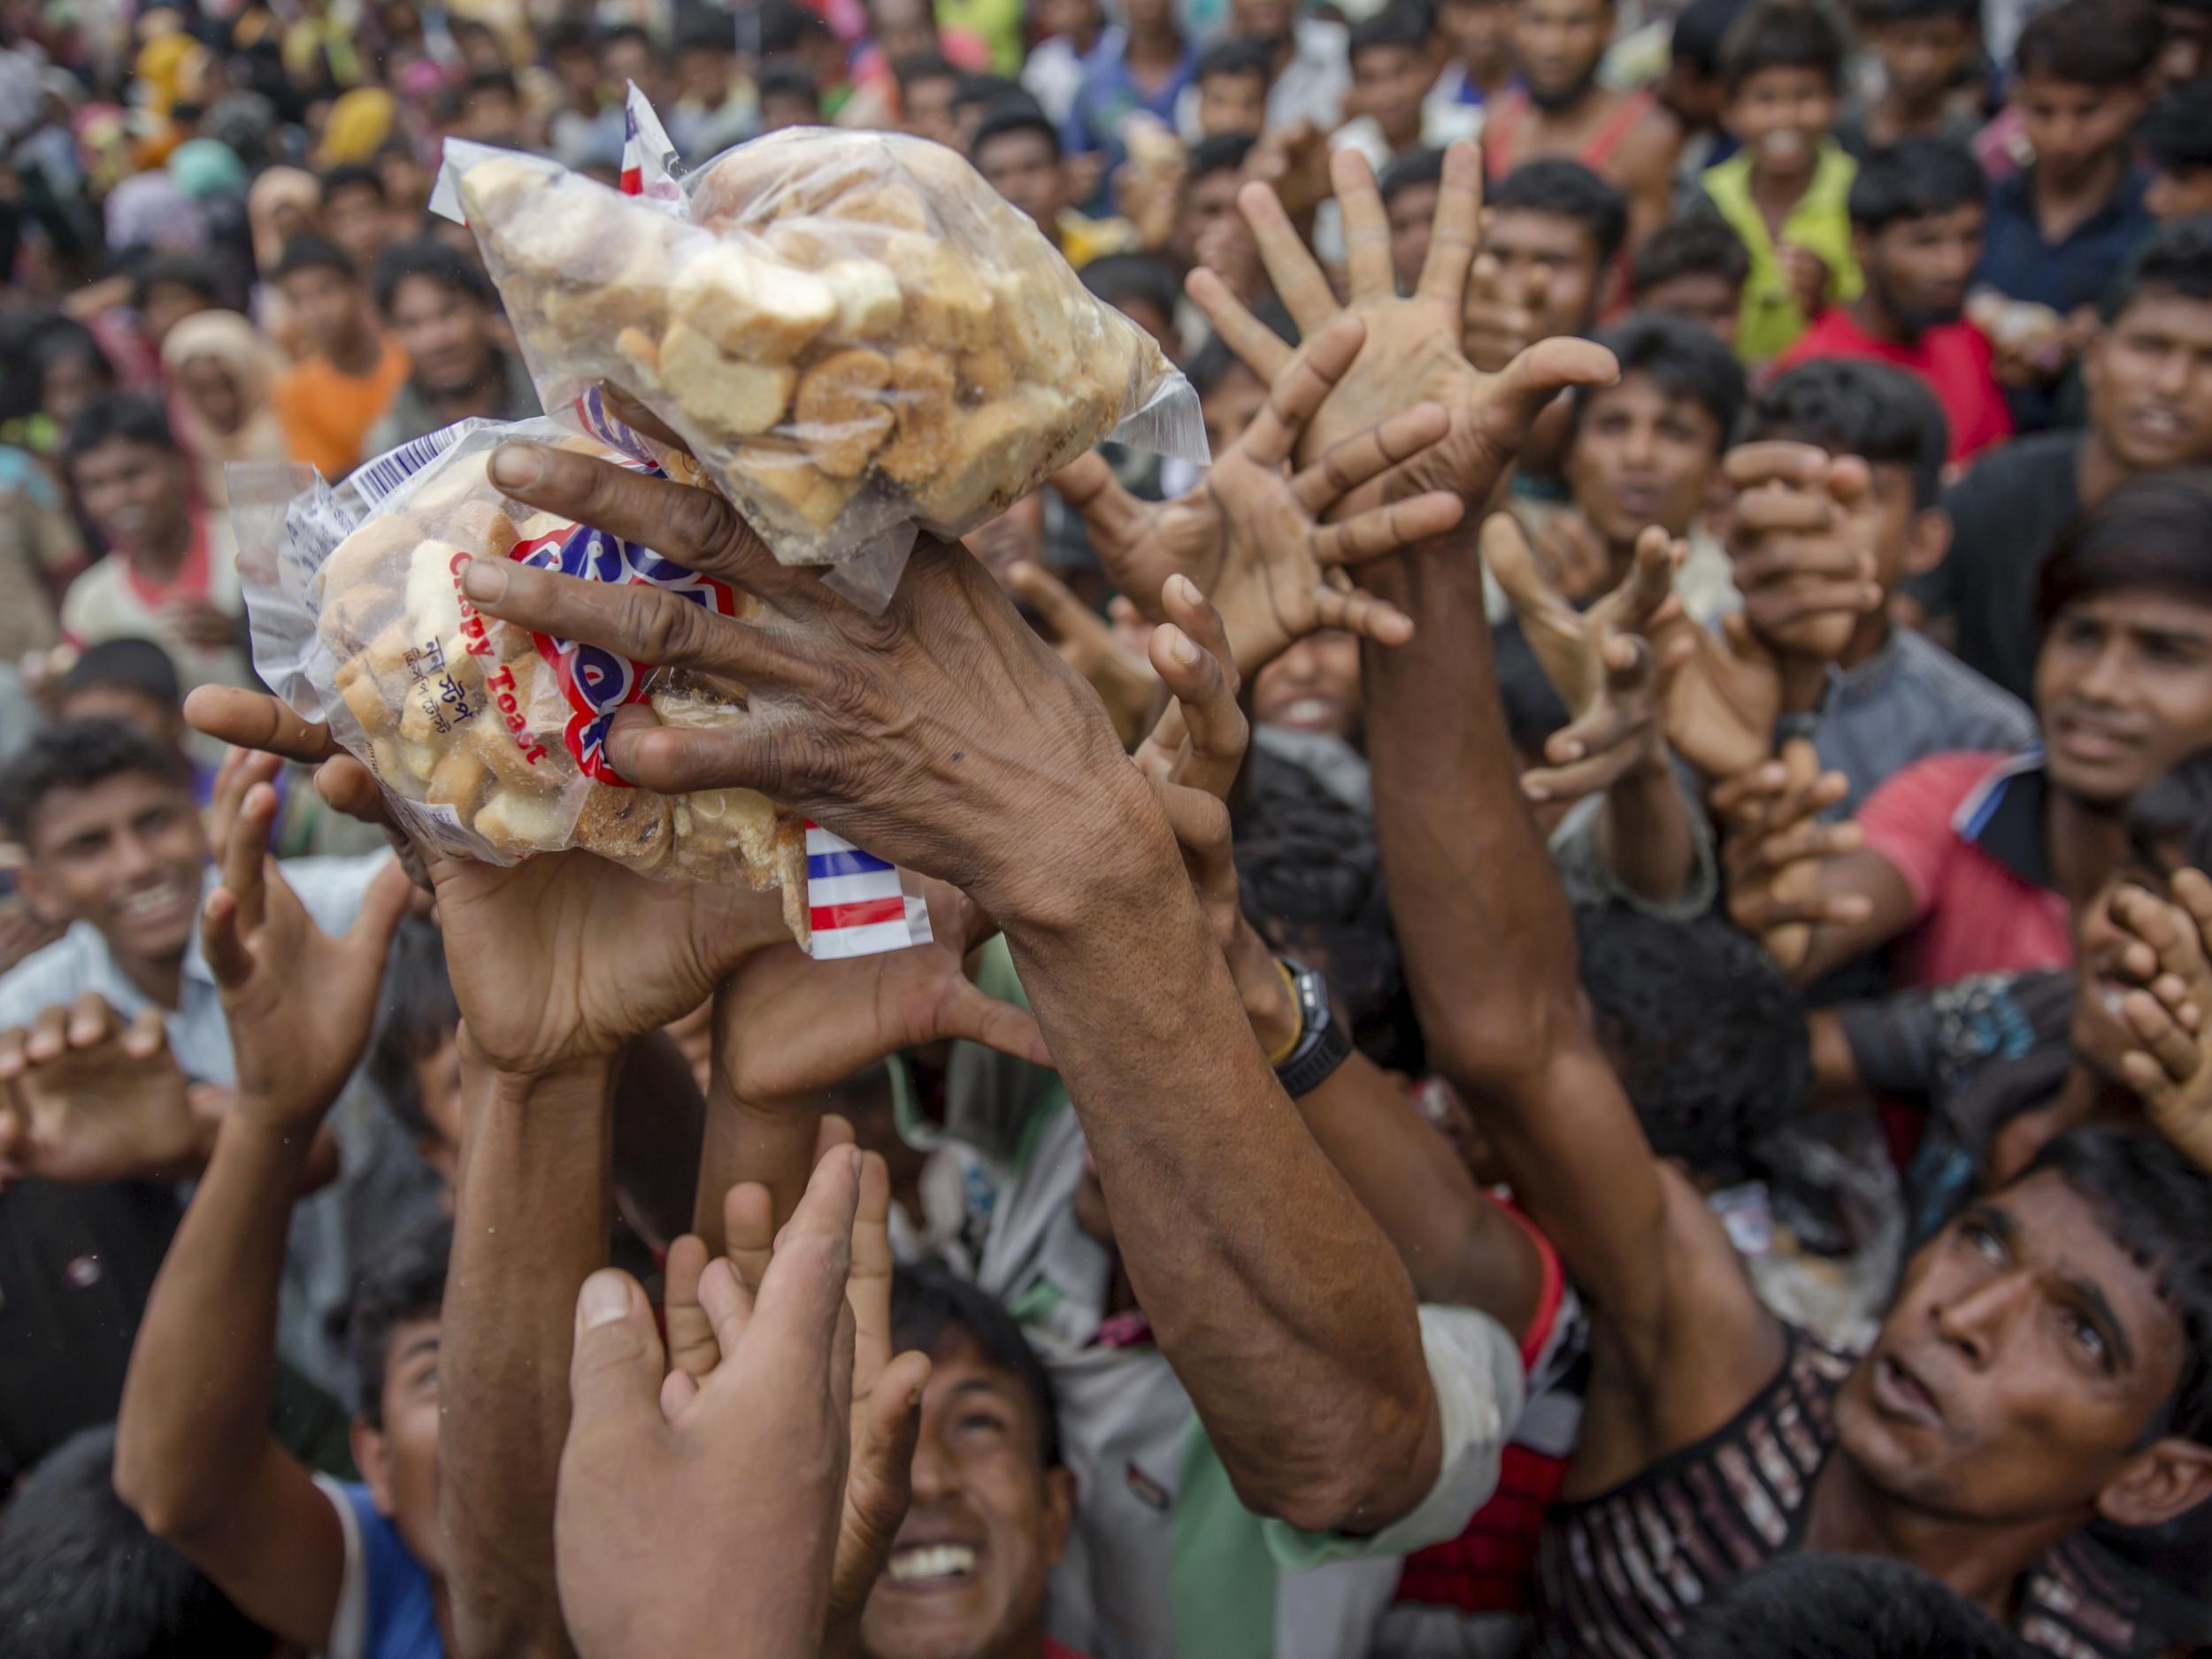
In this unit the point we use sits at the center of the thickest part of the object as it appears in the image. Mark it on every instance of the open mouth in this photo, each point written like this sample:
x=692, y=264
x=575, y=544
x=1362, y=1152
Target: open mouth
x=155, y=903
x=2088, y=742
x=1902, y=1395
x=926, y=1566
x=1309, y=713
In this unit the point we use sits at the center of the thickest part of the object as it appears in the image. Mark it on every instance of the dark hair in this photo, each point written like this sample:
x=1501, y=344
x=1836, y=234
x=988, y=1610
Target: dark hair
x=1684, y=359
x=1120, y=277
x=2147, y=533
x=1011, y=117
x=494, y=80
x=348, y=175
x=704, y=29
x=1701, y=245
x=1399, y=23
x=922, y=66
x=55, y=339
x=1781, y=34
x=175, y=270
x=313, y=253
x=989, y=89
x=1808, y=1605
x=785, y=25
x=2157, y=1206
x=139, y=666
x=1223, y=152
x=1708, y=1038
x=2101, y=43
x=1567, y=189
x=932, y=1306
x=434, y=261
x=1409, y=172
x=1876, y=12
x=1883, y=415
x=2172, y=813
x=1236, y=57
x=615, y=32
x=2176, y=262
x=2176, y=134
x=789, y=81
x=1915, y=178
x=80, y=1576
x=406, y=1281
x=1699, y=32
x=80, y=755
x=123, y=417
x=420, y=1017
x=570, y=35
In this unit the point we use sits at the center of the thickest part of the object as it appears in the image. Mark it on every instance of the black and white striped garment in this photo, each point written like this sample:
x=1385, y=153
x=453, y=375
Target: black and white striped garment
x=1618, y=1575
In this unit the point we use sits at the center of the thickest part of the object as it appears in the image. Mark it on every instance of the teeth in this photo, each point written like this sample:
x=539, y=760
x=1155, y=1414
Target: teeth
x=1310, y=709
x=153, y=899
x=932, y=1561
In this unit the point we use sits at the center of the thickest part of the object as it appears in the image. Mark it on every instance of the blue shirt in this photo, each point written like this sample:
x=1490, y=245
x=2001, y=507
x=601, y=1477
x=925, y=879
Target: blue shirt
x=1110, y=94
x=385, y=1608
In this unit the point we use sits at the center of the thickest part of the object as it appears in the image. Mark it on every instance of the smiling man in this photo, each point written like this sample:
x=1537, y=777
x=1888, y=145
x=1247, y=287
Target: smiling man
x=439, y=307
x=992, y=1501
x=2148, y=376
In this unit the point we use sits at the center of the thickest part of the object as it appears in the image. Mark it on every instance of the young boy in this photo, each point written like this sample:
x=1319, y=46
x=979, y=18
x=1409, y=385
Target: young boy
x=1067, y=30
x=1785, y=191
x=1916, y=218
x=1693, y=269
x=1394, y=67
x=1926, y=48
x=1233, y=79
x=1479, y=35
x=328, y=401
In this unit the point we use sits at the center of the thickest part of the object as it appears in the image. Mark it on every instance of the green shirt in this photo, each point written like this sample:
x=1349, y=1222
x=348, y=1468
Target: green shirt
x=1769, y=320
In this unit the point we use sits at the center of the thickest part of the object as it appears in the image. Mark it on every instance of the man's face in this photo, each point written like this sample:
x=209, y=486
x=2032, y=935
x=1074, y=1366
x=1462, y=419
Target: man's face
x=489, y=115
x=1313, y=687
x=903, y=27
x=2123, y=687
x=706, y=72
x=1918, y=268
x=578, y=67
x=1704, y=298
x=70, y=382
x=1388, y=82
x=1023, y=167
x=1155, y=322
x=1560, y=42
x=132, y=492
x=1478, y=32
x=2186, y=54
x=444, y=333
x=1231, y=103
x=2148, y=374
x=438, y=1086
x=2072, y=127
x=1922, y=56
x=1641, y=458
x=1782, y=115
x=780, y=111
x=1410, y=212
x=1207, y=200
x=2176, y=194
x=327, y=304
x=125, y=856
x=400, y=1461
x=167, y=304
x=928, y=108
x=627, y=58
x=1260, y=19
x=2019, y=1365
x=1525, y=242
x=354, y=217
x=966, y=1573
x=1232, y=405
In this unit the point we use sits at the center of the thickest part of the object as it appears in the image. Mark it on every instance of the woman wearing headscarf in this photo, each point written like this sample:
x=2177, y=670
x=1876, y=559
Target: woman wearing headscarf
x=219, y=370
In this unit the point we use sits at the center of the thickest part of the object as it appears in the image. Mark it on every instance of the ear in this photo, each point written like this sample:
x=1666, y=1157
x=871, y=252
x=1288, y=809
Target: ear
x=1929, y=540
x=372, y=1456
x=2165, y=1478
x=1058, y=1513
x=37, y=893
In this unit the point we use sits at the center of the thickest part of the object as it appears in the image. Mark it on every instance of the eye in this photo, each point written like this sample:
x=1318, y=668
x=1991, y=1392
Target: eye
x=2086, y=1339
x=1984, y=1241
x=982, y=1423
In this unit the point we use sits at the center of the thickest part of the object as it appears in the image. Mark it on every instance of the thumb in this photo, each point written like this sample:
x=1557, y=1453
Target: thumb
x=971, y=1015
x=878, y=1484
x=614, y=1375
x=1520, y=391
x=383, y=903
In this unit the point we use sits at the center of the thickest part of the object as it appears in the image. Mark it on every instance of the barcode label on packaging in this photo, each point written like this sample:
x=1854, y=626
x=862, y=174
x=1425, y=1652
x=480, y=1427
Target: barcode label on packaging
x=375, y=480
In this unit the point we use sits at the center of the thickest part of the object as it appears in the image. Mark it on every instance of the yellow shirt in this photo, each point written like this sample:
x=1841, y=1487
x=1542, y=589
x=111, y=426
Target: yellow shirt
x=1769, y=320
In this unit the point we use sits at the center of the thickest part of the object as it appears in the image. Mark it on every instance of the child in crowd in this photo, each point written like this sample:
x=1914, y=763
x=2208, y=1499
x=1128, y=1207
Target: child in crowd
x=1231, y=84
x=1695, y=269
x=1929, y=51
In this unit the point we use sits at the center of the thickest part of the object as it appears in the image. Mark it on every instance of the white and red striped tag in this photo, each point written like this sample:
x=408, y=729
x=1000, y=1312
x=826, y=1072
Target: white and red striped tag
x=856, y=904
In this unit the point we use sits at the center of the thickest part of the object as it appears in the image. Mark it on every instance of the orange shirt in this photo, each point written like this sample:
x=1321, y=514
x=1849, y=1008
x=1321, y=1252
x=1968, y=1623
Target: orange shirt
x=326, y=414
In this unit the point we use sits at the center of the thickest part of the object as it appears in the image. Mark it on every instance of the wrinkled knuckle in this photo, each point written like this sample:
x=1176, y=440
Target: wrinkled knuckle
x=664, y=628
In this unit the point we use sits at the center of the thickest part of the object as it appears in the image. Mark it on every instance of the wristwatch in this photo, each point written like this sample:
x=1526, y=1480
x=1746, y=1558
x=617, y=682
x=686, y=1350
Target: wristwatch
x=1323, y=1045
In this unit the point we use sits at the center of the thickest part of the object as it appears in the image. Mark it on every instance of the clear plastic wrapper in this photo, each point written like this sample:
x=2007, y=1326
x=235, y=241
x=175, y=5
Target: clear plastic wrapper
x=489, y=739
x=853, y=332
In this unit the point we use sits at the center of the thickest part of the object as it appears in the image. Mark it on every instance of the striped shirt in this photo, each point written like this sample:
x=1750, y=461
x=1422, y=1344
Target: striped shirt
x=1619, y=1574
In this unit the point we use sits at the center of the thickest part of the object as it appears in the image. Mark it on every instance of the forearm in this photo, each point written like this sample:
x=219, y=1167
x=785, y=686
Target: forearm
x=1277, y=1298
x=530, y=1224
x=766, y=1141
x=1645, y=835
x=196, y=1403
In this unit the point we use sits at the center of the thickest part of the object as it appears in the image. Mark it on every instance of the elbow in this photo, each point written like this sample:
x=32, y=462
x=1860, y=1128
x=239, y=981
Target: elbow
x=1506, y=1040
x=1362, y=1480
x=161, y=1503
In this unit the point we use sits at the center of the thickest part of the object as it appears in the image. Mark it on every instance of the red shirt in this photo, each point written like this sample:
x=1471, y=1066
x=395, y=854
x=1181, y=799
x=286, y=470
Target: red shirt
x=1954, y=358
x=1966, y=831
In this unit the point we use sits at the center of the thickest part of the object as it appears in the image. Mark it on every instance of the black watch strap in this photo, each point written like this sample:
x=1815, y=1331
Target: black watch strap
x=1323, y=1043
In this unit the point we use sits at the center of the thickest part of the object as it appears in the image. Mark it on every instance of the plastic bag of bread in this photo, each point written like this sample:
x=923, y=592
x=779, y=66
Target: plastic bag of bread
x=853, y=332
x=489, y=739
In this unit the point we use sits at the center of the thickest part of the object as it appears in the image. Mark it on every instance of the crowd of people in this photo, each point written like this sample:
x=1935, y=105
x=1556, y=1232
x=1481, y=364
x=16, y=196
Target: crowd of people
x=1568, y=1001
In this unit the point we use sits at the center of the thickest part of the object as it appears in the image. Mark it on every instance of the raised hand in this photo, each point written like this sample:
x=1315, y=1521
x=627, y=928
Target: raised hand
x=1601, y=661
x=2170, y=1018
x=1803, y=534
x=1413, y=346
x=1773, y=847
x=1807, y=275
x=685, y=1513
x=1124, y=681
x=1249, y=533
x=1720, y=695
x=1572, y=555
x=85, y=1095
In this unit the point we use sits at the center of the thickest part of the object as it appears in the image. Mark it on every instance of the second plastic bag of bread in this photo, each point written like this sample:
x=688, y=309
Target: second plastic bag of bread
x=489, y=739
x=853, y=332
